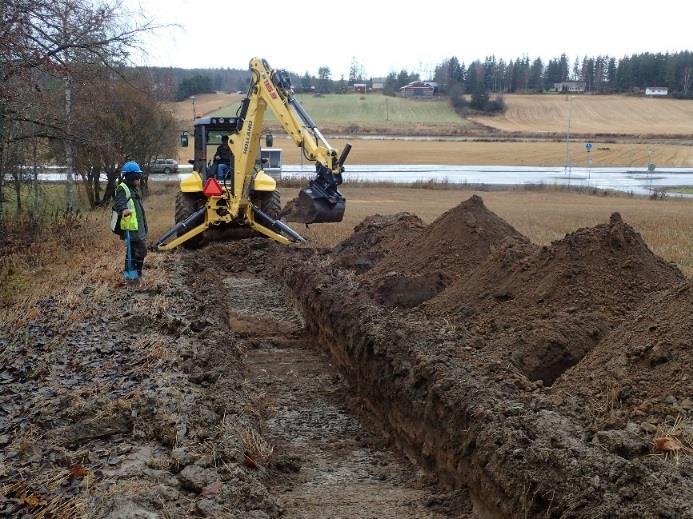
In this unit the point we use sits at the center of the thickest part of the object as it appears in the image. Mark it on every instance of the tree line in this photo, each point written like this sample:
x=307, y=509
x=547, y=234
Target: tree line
x=68, y=97
x=601, y=74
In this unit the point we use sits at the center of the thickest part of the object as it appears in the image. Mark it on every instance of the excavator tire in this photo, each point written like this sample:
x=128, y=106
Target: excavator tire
x=187, y=204
x=269, y=202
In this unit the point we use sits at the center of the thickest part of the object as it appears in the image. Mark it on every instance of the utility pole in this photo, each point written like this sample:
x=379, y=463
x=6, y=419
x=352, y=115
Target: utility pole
x=194, y=111
x=567, y=135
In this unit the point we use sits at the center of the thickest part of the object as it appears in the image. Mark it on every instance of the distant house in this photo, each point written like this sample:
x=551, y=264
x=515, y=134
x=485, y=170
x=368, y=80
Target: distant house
x=420, y=89
x=570, y=86
x=360, y=88
x=656, y=91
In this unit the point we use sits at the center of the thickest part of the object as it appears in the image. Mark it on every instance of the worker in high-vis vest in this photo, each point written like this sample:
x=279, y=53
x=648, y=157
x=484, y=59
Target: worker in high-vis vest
x=128, y=204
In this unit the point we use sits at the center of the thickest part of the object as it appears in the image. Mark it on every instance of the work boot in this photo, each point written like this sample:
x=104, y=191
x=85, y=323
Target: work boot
x=133, y=282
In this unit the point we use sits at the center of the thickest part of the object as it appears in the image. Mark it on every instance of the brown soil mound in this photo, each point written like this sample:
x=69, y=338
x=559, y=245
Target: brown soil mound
x=472, y=419
x=375, y=237
x=641, y=372
x=548, y=307
x=458, y=241
x=606, y=268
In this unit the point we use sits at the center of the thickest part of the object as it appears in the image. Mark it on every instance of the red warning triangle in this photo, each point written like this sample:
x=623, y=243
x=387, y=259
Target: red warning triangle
x=212, y=188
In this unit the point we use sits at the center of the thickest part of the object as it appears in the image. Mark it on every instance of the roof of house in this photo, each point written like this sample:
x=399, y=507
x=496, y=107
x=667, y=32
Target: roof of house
x=420, y=84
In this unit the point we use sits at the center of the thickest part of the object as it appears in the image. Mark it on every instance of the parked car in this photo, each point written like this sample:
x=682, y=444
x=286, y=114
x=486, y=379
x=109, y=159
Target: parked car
x=163, y=166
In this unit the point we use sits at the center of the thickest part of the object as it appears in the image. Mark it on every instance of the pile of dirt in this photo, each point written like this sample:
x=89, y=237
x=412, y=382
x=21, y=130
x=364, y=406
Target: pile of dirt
x=409, y=263
x=460, y=380
x=454, y=244
x=641, y=372
x=547, y=307
x=377, y=237
x=473, y=420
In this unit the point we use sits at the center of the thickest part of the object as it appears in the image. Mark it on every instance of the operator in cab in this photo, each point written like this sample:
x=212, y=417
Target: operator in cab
x=223, y=158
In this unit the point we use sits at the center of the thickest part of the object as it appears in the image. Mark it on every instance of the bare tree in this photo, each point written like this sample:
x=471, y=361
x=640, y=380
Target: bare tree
x=44, y=40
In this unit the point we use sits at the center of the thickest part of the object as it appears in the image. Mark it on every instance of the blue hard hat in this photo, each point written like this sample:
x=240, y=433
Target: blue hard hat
x=131, y=168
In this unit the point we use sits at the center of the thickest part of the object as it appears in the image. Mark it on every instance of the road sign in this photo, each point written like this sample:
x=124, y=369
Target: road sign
x=650, y=167
x=588, y=146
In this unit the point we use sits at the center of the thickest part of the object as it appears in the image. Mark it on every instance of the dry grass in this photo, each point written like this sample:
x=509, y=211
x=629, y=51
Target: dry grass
x=594, y=114
x=152, y=351
x=503, y=153
x=43, y=497
x=258, y=451
x=547, y=153
x=204, y=104
x=77, y=262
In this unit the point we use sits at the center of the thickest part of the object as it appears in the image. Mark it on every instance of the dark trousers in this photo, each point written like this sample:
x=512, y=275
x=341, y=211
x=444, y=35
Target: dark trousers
x=138, y=251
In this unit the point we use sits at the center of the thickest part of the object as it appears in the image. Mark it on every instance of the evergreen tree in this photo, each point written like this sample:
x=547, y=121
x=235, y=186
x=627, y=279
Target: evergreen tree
x=479, y=97
x=324, y=80
x=197, y=84
x=536, y=72
x=306, y=82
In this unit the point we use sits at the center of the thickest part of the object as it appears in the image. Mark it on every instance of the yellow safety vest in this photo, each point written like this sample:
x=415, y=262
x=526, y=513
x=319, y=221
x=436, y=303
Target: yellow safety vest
x=128, y=223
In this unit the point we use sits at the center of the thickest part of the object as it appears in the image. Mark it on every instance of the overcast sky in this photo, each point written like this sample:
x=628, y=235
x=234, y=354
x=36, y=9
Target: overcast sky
x=303, y=35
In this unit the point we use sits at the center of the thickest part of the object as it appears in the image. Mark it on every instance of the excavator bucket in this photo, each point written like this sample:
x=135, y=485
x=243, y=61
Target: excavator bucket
x=320, y=202
x=312, y=206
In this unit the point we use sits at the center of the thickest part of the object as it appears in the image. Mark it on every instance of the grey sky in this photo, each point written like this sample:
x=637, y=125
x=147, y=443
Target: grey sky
x=383, y=37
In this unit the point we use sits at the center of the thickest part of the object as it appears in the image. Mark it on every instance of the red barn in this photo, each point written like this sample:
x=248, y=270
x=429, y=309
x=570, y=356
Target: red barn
x=418, y=89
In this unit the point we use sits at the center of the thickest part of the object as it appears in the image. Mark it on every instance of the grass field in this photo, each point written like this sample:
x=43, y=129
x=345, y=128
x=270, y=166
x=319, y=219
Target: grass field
x=370, y=109
x=535, y=114
x=608, y=114
x=543, y=215
x=204, y=104
x=501, y=153
x=492, y=153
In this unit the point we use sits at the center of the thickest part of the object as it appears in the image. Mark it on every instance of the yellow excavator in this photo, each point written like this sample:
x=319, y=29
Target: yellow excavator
x=243, y=196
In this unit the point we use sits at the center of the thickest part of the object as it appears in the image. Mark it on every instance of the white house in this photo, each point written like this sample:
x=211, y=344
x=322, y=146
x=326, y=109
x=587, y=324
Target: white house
x=570, y=86
x=656, y=91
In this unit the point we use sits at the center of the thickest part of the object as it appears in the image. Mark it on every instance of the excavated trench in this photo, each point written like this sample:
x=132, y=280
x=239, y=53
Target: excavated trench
x=326, y=462
x=526, y=381
x=456, y=374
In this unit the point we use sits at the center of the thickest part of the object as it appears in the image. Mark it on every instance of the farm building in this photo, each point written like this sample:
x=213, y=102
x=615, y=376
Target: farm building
x=570, y=86
x=360, y=88
x=419, y=89
x=656, y=91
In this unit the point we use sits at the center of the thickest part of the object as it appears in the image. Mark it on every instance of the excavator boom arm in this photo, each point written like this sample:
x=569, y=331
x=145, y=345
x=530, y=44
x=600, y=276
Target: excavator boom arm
x=320, y=201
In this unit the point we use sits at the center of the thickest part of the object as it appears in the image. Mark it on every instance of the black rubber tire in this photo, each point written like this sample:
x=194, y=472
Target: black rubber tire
x=269, y=203
x=187, y=204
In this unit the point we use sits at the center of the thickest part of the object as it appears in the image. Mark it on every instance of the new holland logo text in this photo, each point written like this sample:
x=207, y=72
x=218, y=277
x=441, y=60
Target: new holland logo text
x=270, y=89
x=246, y=143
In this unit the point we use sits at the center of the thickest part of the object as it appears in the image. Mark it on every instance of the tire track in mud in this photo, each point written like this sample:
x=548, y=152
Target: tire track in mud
x=325, y=462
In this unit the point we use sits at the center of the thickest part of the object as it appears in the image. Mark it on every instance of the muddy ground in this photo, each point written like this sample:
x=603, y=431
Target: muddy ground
x=198, y=396
x=546, y=381
x=447, y=370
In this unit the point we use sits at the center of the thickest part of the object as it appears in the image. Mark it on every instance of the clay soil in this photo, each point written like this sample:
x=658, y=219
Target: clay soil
x=545, y=381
